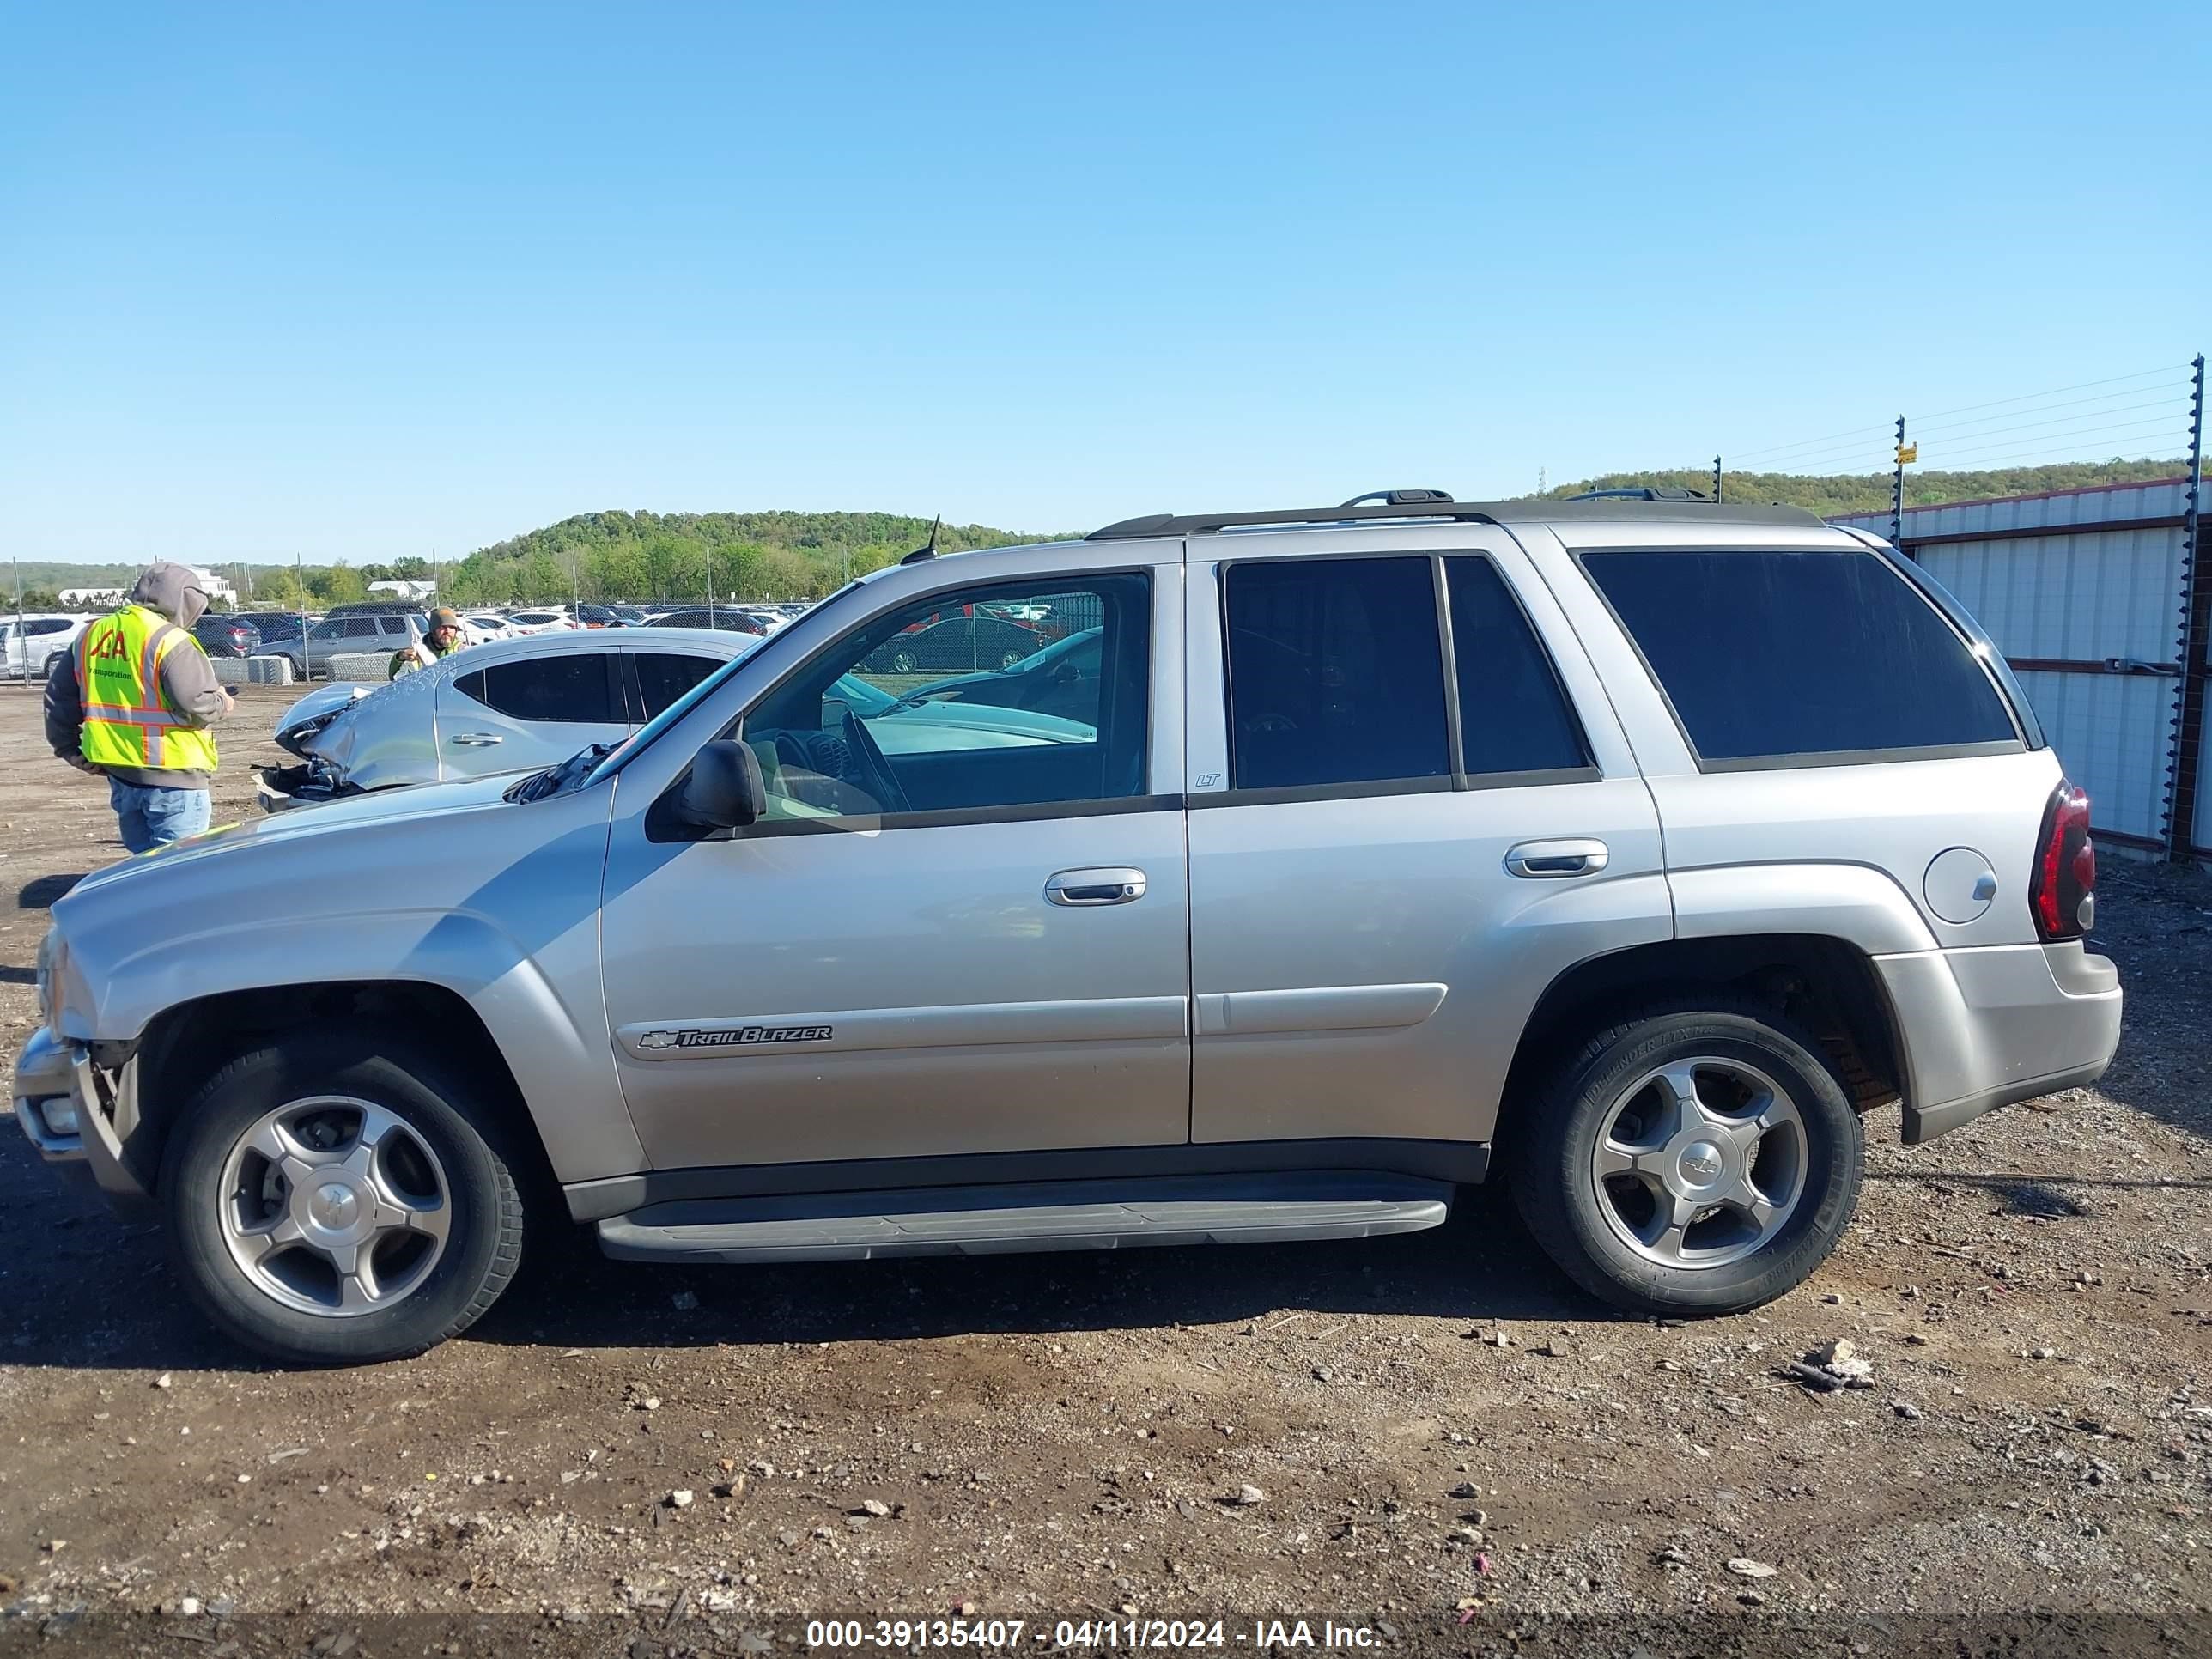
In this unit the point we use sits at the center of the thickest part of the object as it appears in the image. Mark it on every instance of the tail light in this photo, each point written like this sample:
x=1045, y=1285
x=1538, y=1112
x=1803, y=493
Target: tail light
x=2065, y=892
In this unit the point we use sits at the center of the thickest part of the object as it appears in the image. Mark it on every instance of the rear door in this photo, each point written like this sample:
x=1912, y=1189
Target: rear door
x=1410, y=810
x=526, y=712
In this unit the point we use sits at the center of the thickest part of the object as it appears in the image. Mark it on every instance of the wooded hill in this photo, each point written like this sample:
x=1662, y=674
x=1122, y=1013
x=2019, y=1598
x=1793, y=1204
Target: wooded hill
x=674, y=556
x=1832, y=495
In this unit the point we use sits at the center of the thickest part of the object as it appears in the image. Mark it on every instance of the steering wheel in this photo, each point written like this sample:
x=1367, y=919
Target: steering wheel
x=876, y=774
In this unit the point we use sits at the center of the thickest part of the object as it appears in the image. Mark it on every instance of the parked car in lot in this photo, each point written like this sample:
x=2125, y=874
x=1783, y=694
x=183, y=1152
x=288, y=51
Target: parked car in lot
x=27, y=642
x=1057, y=679
x=279, y=631
x=540, y=621
x=957, y=645
x=227, y=636
x=725, y=617
x=346, y=632
x=533, y=702
x=1639, y=846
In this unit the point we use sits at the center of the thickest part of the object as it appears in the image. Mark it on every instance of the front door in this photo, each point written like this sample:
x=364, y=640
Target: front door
x=1415, y=817
x=960, y=928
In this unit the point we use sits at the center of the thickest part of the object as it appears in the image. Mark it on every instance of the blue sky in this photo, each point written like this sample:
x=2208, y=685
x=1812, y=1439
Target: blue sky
x=361, y=282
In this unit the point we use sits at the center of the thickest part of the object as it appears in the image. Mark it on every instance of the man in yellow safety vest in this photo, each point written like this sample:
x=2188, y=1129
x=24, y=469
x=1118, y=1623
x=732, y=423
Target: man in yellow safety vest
x=133, y=699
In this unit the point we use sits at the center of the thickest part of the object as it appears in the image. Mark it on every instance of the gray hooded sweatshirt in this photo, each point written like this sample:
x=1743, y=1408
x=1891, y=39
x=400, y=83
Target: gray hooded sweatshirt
x=189, y=686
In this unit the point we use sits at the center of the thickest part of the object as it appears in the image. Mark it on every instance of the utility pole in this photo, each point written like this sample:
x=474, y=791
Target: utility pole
x=1904, y=453
x=710, y=584
x=1717, y=478
x=299, y=590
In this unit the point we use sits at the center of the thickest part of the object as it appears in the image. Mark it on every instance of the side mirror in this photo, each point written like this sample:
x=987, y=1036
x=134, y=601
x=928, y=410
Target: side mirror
x=725, y=791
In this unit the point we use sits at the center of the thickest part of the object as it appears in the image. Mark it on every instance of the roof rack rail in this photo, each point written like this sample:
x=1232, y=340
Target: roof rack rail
x=1402, y=504
x=1597, y=506
x=1400, y=497
x=1641, y=493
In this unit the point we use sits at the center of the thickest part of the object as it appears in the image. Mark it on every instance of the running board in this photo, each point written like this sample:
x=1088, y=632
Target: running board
x=1060, y=1215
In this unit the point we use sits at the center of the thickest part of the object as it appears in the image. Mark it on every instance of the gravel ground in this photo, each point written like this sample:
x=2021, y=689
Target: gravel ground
x=1432, y=1438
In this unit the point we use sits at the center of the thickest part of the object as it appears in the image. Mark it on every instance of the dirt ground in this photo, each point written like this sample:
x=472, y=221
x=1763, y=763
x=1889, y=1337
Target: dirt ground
x=1432, y=1438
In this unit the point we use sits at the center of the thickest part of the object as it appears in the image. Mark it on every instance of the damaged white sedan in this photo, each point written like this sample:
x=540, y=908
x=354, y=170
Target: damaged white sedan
x=524, y=704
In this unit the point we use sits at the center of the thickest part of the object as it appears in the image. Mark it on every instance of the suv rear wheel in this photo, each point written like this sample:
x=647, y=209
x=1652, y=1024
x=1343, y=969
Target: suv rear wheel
x=1695, y=1160
x=327, y=1204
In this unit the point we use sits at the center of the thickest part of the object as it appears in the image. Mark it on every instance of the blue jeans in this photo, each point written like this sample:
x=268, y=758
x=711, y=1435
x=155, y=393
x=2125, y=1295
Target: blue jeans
x=155, y=818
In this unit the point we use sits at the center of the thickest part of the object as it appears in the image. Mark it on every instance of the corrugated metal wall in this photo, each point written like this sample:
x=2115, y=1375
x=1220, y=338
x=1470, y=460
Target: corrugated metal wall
x=2086, y=598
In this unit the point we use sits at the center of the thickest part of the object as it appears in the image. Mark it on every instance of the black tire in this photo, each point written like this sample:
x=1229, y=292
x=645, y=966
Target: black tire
x=1558, y=1194
x=483, y=1246
x=905, y=662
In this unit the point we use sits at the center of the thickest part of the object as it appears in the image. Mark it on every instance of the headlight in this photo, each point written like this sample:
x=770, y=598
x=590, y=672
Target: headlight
x=50, y=951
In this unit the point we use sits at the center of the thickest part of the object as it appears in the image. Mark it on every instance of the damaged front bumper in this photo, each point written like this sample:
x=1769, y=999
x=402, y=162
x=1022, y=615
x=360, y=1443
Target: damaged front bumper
x=68, y=1108
x=306, y=783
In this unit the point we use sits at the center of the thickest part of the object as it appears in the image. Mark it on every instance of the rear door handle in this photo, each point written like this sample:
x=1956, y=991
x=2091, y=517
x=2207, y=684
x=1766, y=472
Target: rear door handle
x=1085, y=888
x=476, y=739
x=1553, y=861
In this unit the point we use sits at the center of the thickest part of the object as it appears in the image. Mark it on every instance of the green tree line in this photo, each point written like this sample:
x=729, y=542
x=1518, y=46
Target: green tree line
x=1834, y=495
x=678, y=557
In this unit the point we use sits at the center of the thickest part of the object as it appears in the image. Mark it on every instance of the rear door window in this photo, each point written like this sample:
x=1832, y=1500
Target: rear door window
x=1513, y=716
x=575, y=687
x=1778, y=657
x=665, y=676
x=1335, y=674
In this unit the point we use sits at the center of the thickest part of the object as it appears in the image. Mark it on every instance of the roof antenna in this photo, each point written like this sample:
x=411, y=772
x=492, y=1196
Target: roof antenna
x=930, y=551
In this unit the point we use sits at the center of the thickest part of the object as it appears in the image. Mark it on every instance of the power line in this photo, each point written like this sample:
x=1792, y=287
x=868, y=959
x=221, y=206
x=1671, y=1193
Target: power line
x=2029, y=397
x=1805, y=451
x=2032, y=454
x=2062, y=437
x=2166, y=403
x=1803, y=443
x=2179, y=394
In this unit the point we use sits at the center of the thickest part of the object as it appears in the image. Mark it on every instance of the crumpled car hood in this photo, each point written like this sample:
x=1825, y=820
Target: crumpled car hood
x=400, y=719
x=298, y=726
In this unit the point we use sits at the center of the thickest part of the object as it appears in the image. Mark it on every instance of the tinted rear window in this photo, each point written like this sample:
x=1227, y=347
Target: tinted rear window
x=1335, y=675
x=1512, y=715
x=571, y=689
x=665, y=676
x=1814, y=652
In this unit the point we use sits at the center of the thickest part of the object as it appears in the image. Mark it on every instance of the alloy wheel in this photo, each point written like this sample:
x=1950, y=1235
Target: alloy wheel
x=1699, y=1162
x=335, y=1205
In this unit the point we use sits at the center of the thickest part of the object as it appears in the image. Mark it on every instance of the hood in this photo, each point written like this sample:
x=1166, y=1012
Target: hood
x=337, y=818
x=173, y=590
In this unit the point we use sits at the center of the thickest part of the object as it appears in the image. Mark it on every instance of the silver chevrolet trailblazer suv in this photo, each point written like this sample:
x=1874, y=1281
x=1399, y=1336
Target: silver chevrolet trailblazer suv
x=1637, y=845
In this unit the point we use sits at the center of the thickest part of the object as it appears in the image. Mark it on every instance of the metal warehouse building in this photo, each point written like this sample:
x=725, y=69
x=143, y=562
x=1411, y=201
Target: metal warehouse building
x=2085, y=591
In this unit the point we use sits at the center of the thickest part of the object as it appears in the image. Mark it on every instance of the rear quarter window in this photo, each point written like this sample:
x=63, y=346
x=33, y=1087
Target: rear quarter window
x=576, y=689
x=1779, y=656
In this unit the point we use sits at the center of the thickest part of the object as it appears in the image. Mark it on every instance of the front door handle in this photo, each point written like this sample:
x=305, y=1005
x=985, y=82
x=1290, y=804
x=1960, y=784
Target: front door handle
x=1083, y=889
x=1553, y=861
x=476, y=739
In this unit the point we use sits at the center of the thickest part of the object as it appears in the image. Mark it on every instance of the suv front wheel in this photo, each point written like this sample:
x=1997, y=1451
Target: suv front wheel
x=1696, y=1160
x=328, y=1204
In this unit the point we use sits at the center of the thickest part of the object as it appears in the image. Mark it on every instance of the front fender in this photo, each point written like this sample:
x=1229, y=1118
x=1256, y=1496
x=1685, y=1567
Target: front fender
x=510, y=927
